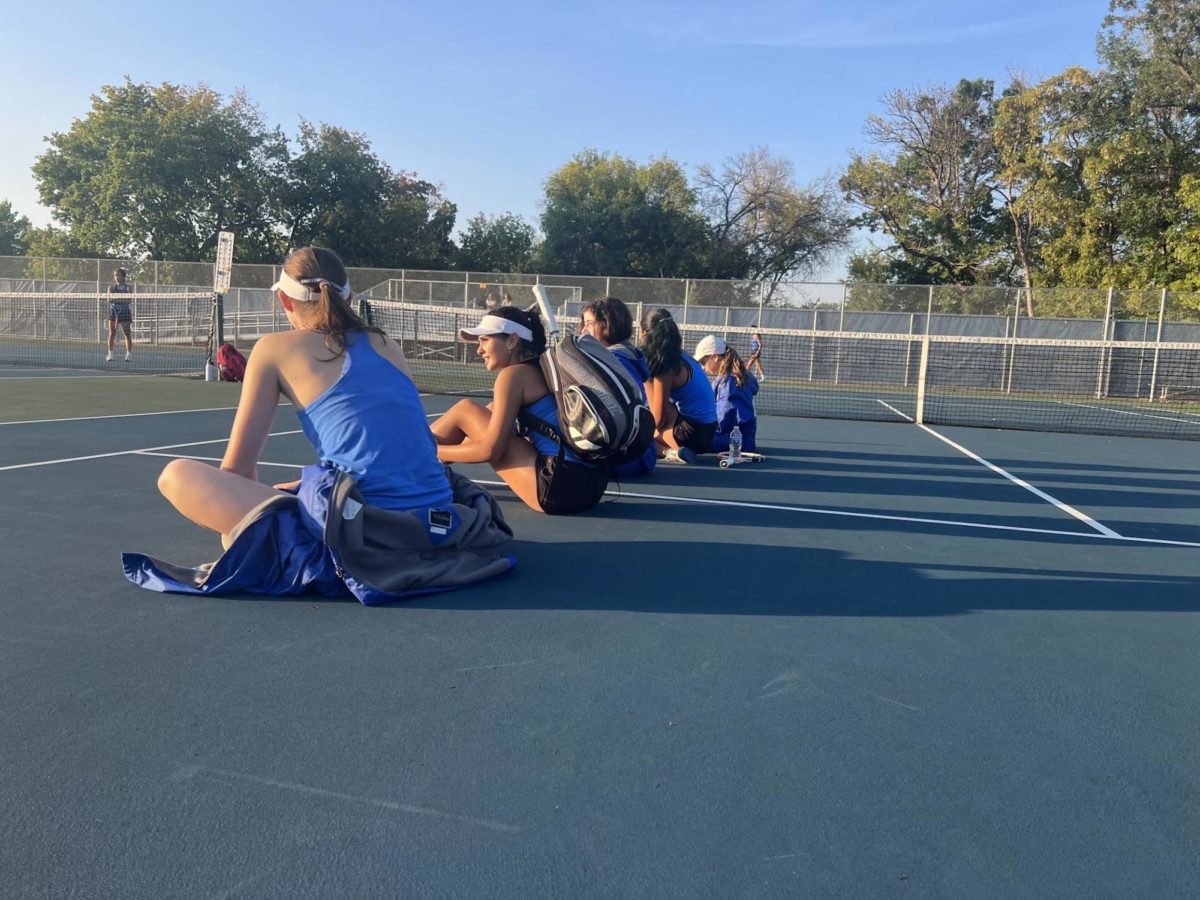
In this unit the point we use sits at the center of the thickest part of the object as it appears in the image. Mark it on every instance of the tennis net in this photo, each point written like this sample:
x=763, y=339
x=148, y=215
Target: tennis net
x=1142, y=389
x=171, y=331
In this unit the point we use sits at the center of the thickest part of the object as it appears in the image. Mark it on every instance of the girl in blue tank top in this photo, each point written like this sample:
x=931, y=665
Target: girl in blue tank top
x=678, y=392
x=539, y=469
x=361, y=412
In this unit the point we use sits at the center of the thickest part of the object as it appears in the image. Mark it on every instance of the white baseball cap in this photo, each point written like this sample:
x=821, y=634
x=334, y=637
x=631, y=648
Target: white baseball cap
x=496, y=325
x=711, y=345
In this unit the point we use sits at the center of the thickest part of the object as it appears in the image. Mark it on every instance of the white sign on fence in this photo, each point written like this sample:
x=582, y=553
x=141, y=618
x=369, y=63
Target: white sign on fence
x=224, y=268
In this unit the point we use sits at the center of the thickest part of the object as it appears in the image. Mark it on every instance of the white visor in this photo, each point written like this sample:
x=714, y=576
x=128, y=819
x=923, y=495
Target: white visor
x=299, y=292
x=496, y=325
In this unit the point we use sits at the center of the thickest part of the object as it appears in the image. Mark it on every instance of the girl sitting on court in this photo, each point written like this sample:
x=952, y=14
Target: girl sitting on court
x=541, y=471
x=608, y=321
x=678, y=392
x=734, y=388
x=379, y=517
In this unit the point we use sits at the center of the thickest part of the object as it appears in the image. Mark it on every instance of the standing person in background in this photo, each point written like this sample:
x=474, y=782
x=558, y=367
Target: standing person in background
x=119, y=313
x=734, y=388
x=755, y=360
x=608, y=321
x=678, y=393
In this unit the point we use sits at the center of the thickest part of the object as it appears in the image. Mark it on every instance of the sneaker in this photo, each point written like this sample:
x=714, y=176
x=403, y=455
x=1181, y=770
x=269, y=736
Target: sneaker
x=108, y=358
x=128, y=356
x=671, y=456
x=683, y=457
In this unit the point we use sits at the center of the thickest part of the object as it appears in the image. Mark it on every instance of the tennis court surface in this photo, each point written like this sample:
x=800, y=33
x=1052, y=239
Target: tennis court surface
x=891, y=660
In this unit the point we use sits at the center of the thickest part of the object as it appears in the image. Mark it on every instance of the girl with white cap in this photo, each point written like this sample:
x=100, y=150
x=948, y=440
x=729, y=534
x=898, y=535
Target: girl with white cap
x=734, y=389
x=542, y=472
x=357, y=405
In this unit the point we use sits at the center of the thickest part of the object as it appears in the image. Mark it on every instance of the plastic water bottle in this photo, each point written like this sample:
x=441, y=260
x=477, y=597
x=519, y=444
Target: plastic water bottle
x=735, y=444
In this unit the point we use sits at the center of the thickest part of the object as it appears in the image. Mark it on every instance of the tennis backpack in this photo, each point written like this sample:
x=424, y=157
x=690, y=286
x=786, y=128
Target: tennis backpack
x=231, y=363
x=601, y=415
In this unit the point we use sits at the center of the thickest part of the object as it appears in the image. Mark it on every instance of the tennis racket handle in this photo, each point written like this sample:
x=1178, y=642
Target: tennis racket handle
x=543, y=301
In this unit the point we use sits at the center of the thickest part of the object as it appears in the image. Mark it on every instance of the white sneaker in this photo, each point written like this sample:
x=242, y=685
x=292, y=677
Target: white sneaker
x=128, y=355
x=108, y=358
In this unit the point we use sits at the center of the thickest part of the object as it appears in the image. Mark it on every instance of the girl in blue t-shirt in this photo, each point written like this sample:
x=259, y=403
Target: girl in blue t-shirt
x=678, y=393
x=539, y=469
x=608, y=321
x=734, y=389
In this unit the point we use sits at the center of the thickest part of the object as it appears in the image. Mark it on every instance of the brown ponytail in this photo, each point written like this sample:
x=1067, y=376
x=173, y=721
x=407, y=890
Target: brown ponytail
x=732, y=364
x=318, y=268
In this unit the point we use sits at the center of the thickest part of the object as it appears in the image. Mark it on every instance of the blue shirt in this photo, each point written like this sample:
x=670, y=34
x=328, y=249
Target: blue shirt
x=635, y=364
x=695, y=399
x=735, y=405
x=546, y=409
x=370, y=423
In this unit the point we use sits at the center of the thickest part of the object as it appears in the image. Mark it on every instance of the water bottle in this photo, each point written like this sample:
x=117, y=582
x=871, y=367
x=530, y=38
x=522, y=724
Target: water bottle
x=735, y=444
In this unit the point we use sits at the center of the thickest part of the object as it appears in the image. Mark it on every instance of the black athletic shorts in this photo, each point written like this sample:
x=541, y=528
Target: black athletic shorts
x=566, y=487
x=694, y=435
x=119, y=312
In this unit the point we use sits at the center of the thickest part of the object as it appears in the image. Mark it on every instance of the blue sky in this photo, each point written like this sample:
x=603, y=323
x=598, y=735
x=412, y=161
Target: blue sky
x=486, y=99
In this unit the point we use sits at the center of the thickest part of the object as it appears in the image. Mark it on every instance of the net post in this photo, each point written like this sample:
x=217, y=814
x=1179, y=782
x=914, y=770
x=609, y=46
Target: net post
x=922, y=378
x=1012, y=348
x=219, y=313
x=1103, y=350
x=837, y=366
x=812, y=353
x=908, y=347
x=1162, y=313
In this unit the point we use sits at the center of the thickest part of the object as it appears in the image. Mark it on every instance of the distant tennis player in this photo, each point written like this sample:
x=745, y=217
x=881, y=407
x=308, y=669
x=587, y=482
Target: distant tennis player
x=756, y=354
x=119, y=313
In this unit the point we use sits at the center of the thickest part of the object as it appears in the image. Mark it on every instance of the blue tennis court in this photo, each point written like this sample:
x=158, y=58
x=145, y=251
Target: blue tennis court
x=890, y=659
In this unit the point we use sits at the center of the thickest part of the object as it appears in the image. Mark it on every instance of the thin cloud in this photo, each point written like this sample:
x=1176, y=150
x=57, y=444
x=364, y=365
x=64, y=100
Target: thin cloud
x=839, y=34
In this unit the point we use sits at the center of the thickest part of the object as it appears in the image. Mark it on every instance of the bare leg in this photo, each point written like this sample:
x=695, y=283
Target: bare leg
x=465, y=420
x=468, y=421
x=209, y=497
x=128, y=329
x=112, y=333
x=665, y=436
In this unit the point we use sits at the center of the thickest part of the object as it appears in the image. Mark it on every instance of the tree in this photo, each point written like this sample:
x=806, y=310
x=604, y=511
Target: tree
x=14, y=231
x=761, y=225
x=158, y=171
x=502, y=243
x=340, y=194
x=932, y=196
x=606, y=215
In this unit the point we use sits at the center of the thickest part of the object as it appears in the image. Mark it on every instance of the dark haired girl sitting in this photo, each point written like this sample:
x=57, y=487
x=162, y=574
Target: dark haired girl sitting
x=608, y=321
x=541, y=471
x=680, y=397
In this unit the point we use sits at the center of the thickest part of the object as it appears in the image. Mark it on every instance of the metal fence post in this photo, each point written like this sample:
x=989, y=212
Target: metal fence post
x=687, y=291
x=929, y=312
x=1162, y=314
x=466, y=290
x=762, y=297
x=607, y=285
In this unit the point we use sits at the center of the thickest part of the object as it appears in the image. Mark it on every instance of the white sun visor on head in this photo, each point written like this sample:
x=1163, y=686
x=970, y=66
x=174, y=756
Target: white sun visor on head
x=302, y=293
x=496, y=325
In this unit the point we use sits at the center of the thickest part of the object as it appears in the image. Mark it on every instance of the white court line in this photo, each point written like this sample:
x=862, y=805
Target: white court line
x=896, y=411
x=953, y=523
x=135, y=450
x=1126, y=412
x=218, y=459
x=1037, y=492
x=813, y=510
x=167, y=412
